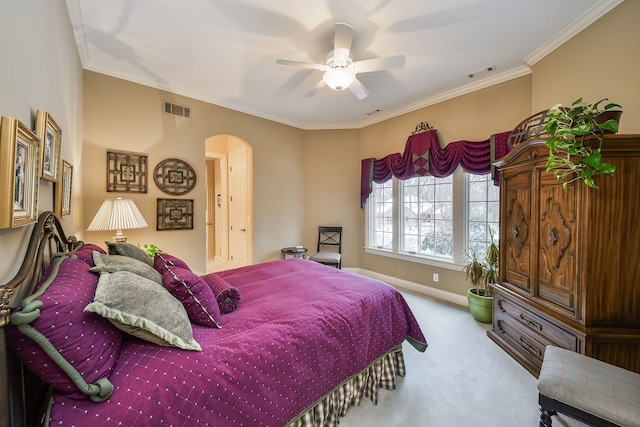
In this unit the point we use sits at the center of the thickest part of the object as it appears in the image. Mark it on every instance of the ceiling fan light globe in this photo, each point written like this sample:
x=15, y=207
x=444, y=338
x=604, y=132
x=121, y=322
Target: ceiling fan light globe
x=339, y=78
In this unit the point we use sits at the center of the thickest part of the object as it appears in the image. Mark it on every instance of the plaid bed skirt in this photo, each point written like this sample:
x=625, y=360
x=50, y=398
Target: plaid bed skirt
x=380, y=374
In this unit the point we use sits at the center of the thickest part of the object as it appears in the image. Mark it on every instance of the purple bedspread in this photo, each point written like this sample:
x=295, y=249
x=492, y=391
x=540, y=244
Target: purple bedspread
x=302, y=328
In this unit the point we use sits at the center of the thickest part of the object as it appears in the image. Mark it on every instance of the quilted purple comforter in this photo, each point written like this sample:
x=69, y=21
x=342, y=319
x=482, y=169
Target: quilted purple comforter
x=302, y=329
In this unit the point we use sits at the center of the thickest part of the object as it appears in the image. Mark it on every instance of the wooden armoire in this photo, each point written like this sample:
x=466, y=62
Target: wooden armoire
x=569, y=260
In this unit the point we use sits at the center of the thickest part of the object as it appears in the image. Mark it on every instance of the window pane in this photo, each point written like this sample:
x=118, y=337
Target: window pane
x=427, y=227
x=381, y=221
x=483, y=211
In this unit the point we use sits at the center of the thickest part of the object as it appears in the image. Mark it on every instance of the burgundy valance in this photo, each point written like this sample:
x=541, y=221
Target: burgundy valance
x=423, y=155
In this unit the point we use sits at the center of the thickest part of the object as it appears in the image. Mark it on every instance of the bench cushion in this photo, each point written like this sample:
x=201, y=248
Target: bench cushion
x=596, y=387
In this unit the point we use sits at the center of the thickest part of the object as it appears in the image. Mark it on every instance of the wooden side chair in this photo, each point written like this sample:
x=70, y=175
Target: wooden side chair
x=329, y=250
x=587, y=389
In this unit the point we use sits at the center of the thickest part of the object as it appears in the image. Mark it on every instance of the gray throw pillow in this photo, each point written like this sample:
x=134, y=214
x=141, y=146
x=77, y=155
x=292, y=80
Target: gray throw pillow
x=130, y=250
x=140, y=307
x=113, y=263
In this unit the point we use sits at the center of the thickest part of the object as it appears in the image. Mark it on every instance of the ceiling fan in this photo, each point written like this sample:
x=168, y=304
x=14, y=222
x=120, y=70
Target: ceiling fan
x=340, y=70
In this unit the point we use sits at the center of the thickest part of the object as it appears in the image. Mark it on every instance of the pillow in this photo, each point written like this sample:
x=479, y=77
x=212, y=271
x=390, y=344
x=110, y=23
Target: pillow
x=127, y=249
x=112, y=263
x=195, y=295
x=62, y=334
x=85, y=252
x=162, y=260
x=144, y=309
x=227, y=296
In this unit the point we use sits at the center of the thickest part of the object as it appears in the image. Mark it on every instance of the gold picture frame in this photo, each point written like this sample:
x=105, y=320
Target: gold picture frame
x=62, y=205
x=50, y=136
x=19, y=172
x=126, y=172
x=174, y=214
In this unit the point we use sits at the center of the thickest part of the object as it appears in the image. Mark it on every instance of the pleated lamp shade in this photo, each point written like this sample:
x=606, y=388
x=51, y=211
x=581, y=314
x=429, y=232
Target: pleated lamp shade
x=117, y=214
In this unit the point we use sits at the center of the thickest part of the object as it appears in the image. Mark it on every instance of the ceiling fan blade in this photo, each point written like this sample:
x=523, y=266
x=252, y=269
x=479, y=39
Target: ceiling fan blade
x=378, y=64
x=358, y=89
x=315, y=89
x=342, y=41
x=301, y=64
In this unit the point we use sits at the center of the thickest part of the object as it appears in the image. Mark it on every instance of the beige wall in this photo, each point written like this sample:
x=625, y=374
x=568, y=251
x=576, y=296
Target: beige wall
x=40, y=71
x=600, y=62
x=293, y=190
x=120, y=115
x=332, y=189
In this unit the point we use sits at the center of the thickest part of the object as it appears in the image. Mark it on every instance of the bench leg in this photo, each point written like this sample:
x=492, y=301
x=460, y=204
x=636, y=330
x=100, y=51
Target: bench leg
x=545, y=417
x=546, y=410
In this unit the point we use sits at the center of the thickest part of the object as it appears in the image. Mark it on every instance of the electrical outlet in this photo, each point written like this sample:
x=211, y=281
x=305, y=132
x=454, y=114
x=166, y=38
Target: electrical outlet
x=436, y=277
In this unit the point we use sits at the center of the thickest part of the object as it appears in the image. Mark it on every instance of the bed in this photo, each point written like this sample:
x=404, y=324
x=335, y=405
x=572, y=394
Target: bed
x=289, y=342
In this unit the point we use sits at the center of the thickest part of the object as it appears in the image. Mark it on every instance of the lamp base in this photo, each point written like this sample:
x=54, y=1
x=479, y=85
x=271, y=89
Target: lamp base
x=119, y=237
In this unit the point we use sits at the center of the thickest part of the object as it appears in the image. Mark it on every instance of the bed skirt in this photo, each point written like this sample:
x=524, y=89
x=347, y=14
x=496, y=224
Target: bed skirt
x=380, y=374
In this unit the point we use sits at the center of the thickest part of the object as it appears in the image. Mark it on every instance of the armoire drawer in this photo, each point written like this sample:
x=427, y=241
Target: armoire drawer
x=530, y=347
x=533, y=322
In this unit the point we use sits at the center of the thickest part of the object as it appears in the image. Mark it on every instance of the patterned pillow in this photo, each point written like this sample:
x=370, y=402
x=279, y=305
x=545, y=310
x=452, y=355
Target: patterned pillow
x=112, y=263
x=194, y=294
x=144, y=309
x=127, y=249
x=86, y=341
x=162, y=260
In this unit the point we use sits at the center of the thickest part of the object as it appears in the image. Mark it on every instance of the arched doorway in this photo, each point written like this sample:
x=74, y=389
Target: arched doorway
x=229, y=192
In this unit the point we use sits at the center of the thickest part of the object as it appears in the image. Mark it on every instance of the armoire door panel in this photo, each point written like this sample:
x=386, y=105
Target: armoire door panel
x=557, y=245
x=517, y=264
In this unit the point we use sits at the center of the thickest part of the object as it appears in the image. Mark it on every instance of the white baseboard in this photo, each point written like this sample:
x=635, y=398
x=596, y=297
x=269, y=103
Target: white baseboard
x=414, y=287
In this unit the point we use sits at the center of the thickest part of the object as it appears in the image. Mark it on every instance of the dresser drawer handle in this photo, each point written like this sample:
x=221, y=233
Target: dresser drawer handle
x=530, y=323
x=530, y=348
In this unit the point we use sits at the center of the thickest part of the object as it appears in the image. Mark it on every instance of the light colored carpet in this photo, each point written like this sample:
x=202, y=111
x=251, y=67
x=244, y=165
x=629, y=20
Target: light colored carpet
x=462, y=379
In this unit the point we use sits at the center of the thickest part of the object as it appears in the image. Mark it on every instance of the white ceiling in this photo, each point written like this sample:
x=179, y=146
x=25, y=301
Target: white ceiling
x=224, y=51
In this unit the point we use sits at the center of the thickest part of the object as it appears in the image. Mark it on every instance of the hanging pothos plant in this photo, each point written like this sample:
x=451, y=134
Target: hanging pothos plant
x=571, y=156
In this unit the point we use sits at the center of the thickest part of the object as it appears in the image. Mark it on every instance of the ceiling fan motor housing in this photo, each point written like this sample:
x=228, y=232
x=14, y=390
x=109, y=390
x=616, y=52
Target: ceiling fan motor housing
x=341, y=72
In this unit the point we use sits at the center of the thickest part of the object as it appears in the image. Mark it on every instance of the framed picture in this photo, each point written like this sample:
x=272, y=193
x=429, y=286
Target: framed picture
x=175, y=214
x=126, y=172
x=19, y=173
x=50, y=136
x=174, y=176
x=62, y=204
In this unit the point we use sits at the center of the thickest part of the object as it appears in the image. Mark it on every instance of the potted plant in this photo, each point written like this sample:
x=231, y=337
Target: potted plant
x=571, y=156
x=482, y=275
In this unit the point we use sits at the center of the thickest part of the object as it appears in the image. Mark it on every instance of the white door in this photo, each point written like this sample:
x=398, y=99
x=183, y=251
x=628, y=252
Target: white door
x=211, y=208
x=238, y=196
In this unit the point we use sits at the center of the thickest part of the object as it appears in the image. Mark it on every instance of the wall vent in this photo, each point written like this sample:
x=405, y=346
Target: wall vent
x=177, y=110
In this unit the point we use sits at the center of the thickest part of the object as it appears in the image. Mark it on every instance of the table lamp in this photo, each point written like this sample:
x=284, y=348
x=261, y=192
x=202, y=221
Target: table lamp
x=117, y=214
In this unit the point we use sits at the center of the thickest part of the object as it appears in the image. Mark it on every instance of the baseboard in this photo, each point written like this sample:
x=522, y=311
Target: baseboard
x=414, y=287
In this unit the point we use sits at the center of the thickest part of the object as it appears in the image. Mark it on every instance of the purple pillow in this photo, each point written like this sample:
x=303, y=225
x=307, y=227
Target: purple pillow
x=227, y=296
x=194, y=294
x=87, y=341
x=85, y=253
x=161, y=261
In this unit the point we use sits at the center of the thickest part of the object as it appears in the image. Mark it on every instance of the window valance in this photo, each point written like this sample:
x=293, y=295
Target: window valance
x=423, y=155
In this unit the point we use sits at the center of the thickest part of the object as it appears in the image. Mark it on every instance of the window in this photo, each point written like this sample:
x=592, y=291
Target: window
x=483, y=211
x=381, y=218
x=427, y=213
x=432, y=220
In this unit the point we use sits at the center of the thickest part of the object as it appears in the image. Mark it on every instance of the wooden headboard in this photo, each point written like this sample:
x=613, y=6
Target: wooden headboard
x=23, y=397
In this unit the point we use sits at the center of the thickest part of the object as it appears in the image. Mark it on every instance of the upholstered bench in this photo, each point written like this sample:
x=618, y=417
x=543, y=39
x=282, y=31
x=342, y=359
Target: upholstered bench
x=587, y=389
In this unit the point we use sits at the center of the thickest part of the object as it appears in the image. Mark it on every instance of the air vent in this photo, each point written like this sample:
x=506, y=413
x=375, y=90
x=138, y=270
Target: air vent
x=488, y=69
x=177, y=110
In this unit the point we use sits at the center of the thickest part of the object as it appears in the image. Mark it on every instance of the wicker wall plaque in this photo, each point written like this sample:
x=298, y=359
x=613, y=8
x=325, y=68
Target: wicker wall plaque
x=174, y=176
x=175, y=214
x=126, y=172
